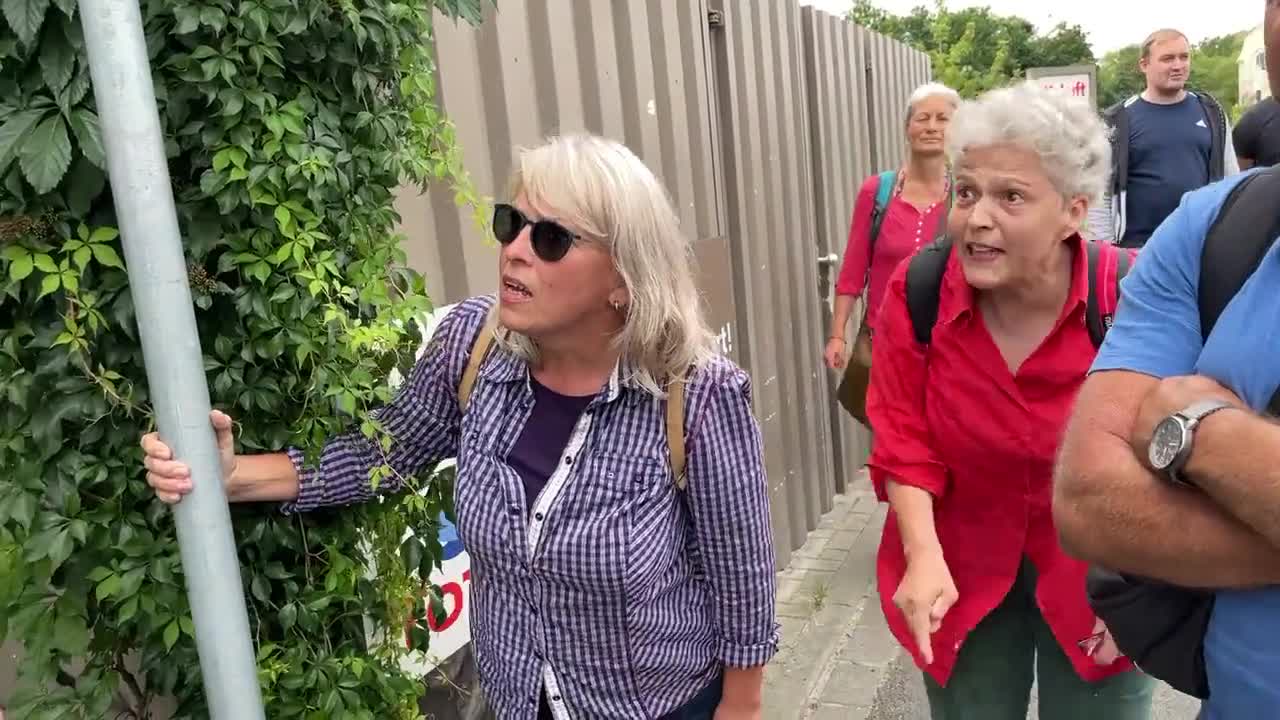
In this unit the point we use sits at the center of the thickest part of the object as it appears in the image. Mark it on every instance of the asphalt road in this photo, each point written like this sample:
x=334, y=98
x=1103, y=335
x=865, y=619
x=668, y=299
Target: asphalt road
x=901, y=697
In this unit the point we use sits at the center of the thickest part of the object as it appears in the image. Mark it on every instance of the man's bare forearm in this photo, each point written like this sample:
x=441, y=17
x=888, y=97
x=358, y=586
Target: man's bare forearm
x=1127, y=519
x=1111, y=510
x=1236, y=461
x=269, y=477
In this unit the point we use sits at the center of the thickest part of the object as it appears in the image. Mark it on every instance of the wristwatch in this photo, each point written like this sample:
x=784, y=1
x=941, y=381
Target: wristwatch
x=1171, y=440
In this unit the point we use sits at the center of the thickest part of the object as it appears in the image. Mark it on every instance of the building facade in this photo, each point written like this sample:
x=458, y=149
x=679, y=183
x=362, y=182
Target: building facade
x=1253, y=69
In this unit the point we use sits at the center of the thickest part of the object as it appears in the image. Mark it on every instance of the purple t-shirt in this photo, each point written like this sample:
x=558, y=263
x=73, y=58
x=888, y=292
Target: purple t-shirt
x=545, y=436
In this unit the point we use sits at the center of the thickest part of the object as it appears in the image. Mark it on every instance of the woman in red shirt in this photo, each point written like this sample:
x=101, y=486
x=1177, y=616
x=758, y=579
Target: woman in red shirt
x=971, y=576
x=916, y=208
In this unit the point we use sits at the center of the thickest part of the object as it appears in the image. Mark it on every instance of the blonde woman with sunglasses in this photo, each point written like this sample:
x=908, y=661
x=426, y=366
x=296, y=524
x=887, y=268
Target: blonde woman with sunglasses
x=610, y=487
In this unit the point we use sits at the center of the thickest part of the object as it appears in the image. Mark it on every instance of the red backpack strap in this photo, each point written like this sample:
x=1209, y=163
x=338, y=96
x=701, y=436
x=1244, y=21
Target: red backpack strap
x=1108, y=265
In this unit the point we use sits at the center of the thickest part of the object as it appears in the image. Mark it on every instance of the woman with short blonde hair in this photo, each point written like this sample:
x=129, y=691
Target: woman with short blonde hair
x=610, y=487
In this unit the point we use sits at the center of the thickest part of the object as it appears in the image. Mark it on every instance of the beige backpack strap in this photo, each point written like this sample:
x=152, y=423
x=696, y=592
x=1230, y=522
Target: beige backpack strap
x=478, y=351
x=675, y=431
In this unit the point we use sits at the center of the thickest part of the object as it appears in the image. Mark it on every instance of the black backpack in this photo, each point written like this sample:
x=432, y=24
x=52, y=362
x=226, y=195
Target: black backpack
x=1160, y=626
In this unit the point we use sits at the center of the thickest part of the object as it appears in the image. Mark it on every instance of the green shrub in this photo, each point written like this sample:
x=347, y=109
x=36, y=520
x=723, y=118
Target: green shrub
x=289, y=124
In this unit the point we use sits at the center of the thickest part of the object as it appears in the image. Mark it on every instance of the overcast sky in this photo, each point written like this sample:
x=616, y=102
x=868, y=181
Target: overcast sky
x=1110, y=23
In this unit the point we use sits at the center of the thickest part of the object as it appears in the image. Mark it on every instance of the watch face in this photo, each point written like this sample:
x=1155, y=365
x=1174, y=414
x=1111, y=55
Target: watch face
x=1166, y=443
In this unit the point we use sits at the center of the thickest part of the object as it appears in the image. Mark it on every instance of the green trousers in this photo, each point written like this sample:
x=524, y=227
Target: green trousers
x=1009, y=649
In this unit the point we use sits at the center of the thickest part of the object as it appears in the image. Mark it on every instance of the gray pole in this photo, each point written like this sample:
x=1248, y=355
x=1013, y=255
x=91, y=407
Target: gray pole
x=139, y=176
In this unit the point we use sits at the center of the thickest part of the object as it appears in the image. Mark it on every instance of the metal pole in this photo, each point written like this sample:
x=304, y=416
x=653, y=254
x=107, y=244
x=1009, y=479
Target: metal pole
x=139, y=174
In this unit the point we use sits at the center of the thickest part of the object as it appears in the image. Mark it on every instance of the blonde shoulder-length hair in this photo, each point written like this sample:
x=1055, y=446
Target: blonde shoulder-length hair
x=600, y=187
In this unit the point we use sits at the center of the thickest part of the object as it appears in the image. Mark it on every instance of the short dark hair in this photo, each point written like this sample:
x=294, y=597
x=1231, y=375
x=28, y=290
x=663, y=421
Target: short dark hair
x=1158, y=36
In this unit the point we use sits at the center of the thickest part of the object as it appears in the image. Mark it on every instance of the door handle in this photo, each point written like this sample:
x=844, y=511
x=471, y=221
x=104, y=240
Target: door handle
x=828, y=260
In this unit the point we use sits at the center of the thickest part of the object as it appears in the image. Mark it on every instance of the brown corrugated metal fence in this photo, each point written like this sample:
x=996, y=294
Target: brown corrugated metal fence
x=760, y=116
x=837, y=78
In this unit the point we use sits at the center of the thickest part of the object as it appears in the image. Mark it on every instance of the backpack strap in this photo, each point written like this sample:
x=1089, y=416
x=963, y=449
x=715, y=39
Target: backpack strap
x=478, y=352
x=1217, y=120
x=884, y=194
x=1245, y=229
x=675, y=431
x=675, y=399
x=1108, y=265
x=1118, y=119
x=924, y=286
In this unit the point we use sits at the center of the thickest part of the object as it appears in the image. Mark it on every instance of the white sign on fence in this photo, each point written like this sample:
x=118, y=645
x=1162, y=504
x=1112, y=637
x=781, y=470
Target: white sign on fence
x=453, y=577
x=1075, y=81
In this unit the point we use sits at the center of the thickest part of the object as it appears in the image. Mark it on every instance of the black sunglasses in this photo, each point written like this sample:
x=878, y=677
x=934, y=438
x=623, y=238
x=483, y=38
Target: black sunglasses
x=550, y=240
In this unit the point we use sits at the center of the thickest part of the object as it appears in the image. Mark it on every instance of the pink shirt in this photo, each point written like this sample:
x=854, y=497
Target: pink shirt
x=903, y=230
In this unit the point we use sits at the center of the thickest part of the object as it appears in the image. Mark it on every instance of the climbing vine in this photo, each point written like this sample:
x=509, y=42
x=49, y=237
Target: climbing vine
x=289, y=124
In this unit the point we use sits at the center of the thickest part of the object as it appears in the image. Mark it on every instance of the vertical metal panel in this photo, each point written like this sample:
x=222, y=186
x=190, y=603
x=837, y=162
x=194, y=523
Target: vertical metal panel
x=835, y=68
x=894, y=71
x=632, y=70
x=766, y=136
x=738, y=94
x=805, y=324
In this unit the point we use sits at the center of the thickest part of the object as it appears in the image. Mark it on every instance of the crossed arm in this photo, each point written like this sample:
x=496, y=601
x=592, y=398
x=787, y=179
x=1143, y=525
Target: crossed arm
x=1110, y=509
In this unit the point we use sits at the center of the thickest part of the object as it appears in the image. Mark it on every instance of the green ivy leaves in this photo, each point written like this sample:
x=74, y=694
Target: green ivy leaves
x=84, y=124
x=95, y=245
x=13, y=131
x=289, y=125
x=25, y=17
x=39, y=137
x=46, y=154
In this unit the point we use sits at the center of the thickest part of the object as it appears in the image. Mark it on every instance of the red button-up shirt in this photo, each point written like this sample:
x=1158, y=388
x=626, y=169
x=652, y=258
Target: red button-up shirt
x=902, y=231
x=956, y=422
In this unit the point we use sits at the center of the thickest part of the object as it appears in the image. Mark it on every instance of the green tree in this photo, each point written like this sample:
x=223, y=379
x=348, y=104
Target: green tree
x=974, y=49
x=1119, y=76
x=289, y=124
x=1215, y=68
x=1063, y=45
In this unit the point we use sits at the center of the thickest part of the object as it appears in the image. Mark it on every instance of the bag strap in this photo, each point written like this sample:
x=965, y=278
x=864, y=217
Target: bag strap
x=924, y=286
x=1216, y=118
x=884, y=194
x=478, y=352
x=1119, y=117
x=675, y=399
x=1108, y=265
x=675, y=431
x=1245, y=229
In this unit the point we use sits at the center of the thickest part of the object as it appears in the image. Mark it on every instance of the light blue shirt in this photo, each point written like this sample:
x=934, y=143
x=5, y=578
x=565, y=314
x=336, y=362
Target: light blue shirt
x=1157, y=332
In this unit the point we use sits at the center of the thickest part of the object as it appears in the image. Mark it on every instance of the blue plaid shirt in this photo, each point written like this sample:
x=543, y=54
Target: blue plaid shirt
x=616, y=593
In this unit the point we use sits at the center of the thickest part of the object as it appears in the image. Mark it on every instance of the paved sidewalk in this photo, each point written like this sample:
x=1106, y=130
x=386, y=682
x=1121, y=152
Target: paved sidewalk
x=837, y=659
x=835, y=647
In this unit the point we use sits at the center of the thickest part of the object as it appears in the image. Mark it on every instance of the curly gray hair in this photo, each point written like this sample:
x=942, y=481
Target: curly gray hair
x=1066, y=133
